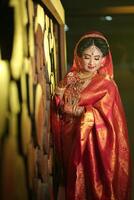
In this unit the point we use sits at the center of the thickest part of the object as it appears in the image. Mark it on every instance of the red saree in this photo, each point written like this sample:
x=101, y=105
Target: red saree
x=92, y=149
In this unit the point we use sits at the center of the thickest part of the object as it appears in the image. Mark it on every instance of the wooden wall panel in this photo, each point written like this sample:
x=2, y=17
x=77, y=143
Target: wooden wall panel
x=4, y=92
x=27, y=82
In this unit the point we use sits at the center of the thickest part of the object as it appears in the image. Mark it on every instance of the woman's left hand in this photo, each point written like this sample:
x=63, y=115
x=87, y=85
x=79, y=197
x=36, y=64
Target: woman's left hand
x=78, y=110
x=73, y=110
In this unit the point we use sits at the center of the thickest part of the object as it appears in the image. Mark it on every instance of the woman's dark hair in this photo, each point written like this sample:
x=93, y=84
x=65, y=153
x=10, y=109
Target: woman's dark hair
x=87, y=42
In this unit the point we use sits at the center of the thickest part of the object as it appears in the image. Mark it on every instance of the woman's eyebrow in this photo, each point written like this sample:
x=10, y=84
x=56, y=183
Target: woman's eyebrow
x=86, y=54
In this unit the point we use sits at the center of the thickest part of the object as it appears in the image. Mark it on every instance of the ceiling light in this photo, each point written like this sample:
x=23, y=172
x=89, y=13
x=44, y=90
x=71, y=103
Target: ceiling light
x=108, y=18
x=66, y=28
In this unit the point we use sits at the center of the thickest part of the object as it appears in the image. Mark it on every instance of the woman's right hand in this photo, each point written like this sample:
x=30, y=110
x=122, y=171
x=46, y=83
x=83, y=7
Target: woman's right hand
x=60, y=91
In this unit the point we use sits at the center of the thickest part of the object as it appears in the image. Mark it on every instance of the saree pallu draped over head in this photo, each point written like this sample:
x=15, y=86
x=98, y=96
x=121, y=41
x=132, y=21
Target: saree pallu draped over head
x=91, y=149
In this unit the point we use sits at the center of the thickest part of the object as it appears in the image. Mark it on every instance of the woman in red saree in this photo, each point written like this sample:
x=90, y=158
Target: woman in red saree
x=89, y=126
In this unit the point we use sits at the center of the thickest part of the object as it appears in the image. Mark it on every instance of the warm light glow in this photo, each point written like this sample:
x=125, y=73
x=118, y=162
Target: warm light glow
x=110, y=10
x=4, y=88
x=40, y=18
x=0, y=68
x=118, y=10
x=56, y=7
x=3, y=67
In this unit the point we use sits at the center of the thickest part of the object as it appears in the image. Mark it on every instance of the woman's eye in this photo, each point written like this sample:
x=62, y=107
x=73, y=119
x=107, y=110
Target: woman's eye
x=97, y=58
x=86, y=57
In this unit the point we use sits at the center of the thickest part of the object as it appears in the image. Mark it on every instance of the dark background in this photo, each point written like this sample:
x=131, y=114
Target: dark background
x=85, y=15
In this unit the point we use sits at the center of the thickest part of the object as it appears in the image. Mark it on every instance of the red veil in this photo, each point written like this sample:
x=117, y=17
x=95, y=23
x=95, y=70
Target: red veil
x=93, y=150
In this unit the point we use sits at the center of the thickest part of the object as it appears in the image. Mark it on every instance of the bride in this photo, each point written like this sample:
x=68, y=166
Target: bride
x=89, y=128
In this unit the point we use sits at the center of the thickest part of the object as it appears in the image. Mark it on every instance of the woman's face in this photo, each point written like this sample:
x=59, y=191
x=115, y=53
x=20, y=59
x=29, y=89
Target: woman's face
x=92, y=59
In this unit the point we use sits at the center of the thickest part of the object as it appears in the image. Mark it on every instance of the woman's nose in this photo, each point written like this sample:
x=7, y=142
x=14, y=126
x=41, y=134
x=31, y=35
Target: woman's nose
x=91, y=62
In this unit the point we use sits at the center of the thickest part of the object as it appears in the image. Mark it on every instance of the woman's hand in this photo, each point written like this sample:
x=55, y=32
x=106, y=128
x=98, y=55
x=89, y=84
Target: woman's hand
x=73, y=109
x=60, y=91
x=78, y=110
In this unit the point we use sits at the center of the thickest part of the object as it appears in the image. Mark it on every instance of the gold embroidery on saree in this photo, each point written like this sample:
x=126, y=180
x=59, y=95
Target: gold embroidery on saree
x=87, y=121
x=80, y=193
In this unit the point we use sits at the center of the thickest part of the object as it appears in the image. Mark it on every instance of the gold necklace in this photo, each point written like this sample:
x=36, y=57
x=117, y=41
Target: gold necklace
x=86, y=75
